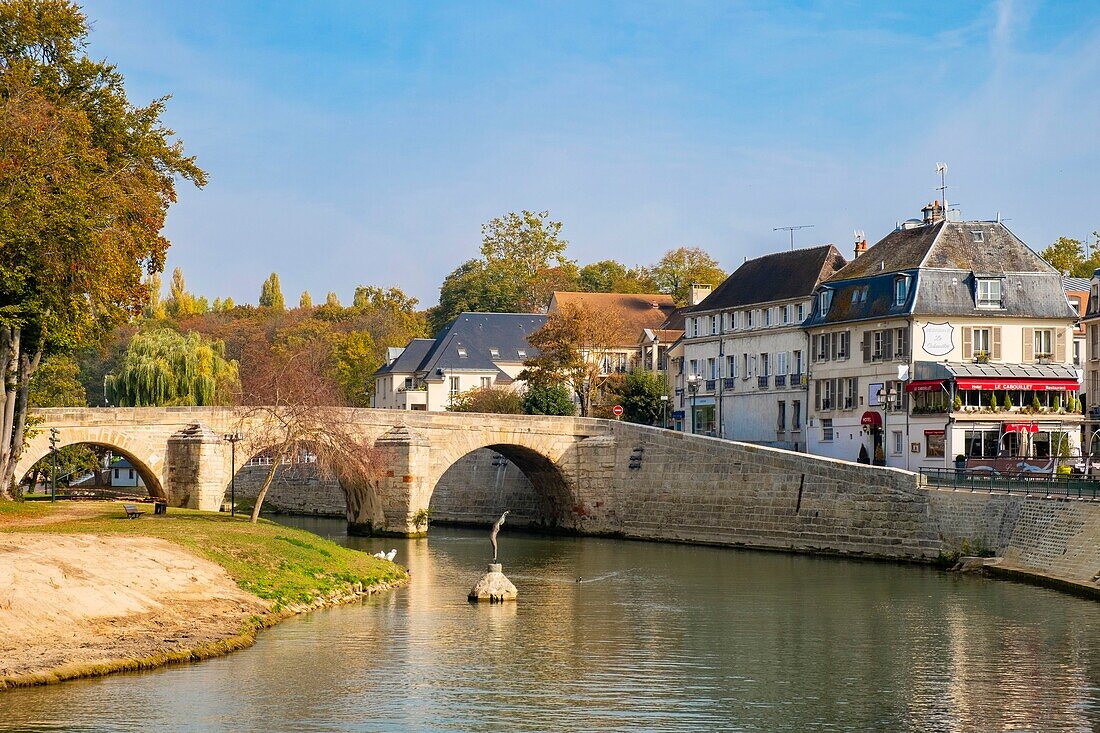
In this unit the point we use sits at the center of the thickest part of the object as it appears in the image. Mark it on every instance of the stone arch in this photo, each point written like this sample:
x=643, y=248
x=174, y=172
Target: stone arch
x=146, y=461
x=297, y=488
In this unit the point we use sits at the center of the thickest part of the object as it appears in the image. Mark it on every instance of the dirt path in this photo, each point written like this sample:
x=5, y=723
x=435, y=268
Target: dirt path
x=72, y=602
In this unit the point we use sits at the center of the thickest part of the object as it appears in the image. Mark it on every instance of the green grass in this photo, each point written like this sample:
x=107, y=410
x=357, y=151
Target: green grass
x=284, y=565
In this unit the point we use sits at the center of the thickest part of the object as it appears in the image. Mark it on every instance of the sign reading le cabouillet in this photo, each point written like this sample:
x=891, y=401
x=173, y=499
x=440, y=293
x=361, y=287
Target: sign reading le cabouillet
x=937, y=339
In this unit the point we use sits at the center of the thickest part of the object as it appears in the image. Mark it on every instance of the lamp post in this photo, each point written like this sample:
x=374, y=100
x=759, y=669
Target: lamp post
x=664, y=411
x=233, y=439
x=54, y=432
x=693, y=388
x=887, y=398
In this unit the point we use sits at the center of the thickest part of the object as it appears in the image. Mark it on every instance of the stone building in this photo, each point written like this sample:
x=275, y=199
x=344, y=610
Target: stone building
x=740, y=371
x=476, y=350
x=947, y=337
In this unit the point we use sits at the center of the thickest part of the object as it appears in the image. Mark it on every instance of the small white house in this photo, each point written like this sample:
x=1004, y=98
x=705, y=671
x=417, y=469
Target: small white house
x=123, y=474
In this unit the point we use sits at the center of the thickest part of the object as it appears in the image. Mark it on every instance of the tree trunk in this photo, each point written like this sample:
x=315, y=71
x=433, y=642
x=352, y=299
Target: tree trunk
x=276, y=462
x=9, y=373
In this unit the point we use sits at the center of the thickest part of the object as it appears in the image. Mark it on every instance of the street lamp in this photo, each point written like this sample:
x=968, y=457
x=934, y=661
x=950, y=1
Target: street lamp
x=233, y=439
x=693, y=388
x=887, y=397
x=664, y=411
x=54, y=432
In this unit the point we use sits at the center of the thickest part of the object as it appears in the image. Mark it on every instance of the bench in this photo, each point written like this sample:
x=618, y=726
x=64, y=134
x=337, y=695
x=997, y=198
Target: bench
x=132, y=512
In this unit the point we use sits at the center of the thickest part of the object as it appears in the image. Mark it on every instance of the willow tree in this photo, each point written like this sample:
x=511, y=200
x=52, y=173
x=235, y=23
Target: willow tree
x=86, y=179
x=164, y=367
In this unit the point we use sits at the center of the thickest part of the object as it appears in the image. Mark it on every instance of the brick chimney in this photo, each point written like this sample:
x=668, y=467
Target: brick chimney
x=861, y=246
x=698, y=293
x=933, y=212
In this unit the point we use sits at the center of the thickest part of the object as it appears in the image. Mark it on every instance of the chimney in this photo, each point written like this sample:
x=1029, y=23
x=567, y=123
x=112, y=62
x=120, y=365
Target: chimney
x=861, y=242
x=933, y=212
x=698, y=293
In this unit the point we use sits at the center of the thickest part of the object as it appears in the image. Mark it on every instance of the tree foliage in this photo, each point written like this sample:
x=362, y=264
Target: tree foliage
x=164, y=367
x=641, y=396
x=57, y=384
x=86, y=179
x=610, y=276
x=305, y=301
x=680, y=268
x=271, y=294
x=548, y=399
x=497, y=400
x=1071, y=257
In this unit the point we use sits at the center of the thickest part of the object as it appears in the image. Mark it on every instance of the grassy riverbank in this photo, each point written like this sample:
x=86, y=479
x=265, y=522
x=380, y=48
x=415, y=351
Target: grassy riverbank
x=110, y=594
x=286, y=566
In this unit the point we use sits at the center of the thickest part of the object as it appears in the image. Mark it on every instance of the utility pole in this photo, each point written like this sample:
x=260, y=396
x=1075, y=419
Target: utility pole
x=54, y=432
x=792, y=230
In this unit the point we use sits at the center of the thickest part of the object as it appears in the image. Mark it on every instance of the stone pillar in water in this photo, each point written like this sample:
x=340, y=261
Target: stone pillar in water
x=493, y=587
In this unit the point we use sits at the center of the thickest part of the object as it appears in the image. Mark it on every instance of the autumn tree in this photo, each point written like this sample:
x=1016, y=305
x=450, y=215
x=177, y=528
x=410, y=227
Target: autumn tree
x=305, y=301
x=271, y=294
x=355, y=359
x=610, y=276
x=547, y=399
x=181, y=302
x=164, y=367
x=644, y=397
x=576, y=345
x=679, y=268
x=1073, y=258
x=332, y=300
x=86, y=179
x=496, y=400
x=293, y=407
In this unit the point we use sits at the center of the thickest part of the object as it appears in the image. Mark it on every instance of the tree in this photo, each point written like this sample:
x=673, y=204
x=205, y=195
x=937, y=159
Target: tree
x=355, y=360
x=498, y=400
x=86, y=179
x=642, y=396
x=155, y=309
x=305, y=301
x=182, y=303
x=680, y=268
x=293, y=406
x=1069, y=256
x=332, y=300
x=164, y=367
x=609, y=276
x=575, y=345
x=547, y=399
x=271, y=294
x=57, y=384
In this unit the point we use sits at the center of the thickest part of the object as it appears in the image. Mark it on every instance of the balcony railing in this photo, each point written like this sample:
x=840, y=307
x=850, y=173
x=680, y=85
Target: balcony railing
x=796, y=379
x=780, y=380
x=729, y=383
x=762, y=382
x=709, y=385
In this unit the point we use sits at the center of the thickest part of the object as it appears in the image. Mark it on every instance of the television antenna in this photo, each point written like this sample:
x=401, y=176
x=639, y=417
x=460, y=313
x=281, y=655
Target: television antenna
x=941, y=168
x=792, y=230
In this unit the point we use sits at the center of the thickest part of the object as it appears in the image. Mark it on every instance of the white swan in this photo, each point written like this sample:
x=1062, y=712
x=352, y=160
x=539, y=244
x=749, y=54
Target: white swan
x=391, y=555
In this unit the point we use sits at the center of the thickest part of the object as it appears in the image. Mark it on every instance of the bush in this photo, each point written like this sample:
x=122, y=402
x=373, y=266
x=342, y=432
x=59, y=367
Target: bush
x=547, y=399
x=498, y=400
x=641, y=396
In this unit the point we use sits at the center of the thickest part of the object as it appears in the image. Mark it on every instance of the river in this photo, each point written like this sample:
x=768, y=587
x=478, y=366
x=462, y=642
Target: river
x=627, y=636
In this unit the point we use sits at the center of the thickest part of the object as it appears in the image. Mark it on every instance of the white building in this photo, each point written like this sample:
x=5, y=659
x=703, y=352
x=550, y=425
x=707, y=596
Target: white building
x=949, y=321
x=742, y=361
x=476, y=350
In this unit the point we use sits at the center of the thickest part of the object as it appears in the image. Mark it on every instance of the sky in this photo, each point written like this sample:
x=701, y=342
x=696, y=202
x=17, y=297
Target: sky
x=354, y=143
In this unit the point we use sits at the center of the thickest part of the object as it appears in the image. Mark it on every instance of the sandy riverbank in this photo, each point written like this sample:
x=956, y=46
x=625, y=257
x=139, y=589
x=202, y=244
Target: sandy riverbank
x=86, y=592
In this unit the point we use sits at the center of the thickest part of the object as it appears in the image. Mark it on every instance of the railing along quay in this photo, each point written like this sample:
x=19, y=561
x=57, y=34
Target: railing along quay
x=1025, y=483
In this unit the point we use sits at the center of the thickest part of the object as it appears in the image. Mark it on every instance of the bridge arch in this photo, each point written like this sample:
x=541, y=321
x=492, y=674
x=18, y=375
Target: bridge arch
x=148, y=463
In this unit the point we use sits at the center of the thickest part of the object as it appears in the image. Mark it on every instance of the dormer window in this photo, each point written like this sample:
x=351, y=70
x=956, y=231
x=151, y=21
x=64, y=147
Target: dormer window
x=988, y=293
x=461, y=353
x=494, y=353
x=901, y=289
x=824, y=302
x=977, y=236
x=522, y=353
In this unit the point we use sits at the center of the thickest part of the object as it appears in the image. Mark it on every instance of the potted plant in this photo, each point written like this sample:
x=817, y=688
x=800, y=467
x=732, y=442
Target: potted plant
x=958, y=403
x=982, y=357
x=863, y=456
x=880, y=456
x=1008, y=401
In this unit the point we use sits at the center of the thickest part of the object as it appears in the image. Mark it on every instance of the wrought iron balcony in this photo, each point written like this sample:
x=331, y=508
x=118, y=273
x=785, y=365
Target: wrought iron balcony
x=762, y=382
x=709, y=385
x=729, y=383
x=780, y=380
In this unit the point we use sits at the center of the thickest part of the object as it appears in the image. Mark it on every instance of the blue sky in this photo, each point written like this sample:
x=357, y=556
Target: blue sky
x=365, y=143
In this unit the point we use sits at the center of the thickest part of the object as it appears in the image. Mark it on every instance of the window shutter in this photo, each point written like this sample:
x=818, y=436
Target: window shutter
x=903, y=342
x=866, y=346
x=968, y=343
x=817, y=395
x=834, y=337
x=888, y=344
x=1060, y=345
x=997, y=343
x=1029, y=344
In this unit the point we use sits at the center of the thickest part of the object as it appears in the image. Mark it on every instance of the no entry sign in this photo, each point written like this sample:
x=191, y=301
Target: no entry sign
x=617, y=410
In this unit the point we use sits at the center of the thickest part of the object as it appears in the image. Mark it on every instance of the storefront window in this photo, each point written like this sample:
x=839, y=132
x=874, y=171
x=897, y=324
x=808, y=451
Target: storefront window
x=935, y=445
x=981, y=443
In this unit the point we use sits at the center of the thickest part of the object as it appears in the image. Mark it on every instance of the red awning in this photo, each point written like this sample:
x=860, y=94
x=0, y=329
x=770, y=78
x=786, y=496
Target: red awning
x=871, y=418
x=928, y=385
x=1021, y=427
x=1037, y=385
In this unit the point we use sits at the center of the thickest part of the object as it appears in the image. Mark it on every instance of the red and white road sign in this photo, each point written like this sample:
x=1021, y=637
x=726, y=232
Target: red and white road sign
x=618, y=410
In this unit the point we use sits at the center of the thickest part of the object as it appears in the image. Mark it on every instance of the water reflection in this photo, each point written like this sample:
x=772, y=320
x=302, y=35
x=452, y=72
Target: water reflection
x=653, y=637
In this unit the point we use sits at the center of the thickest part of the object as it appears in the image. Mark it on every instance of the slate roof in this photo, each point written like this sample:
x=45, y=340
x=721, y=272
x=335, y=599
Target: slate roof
x=477, y=333
x=777, y=276
x=410, y=358
x=944, y=260
x=1075, y=284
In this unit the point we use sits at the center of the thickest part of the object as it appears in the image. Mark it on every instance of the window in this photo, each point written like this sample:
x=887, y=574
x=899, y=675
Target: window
x=781, y=362
x=695, y=326
x=977, y=236
x=796, y=415
x=827, y=430
x=767, y=316
x=461, y=353
x=731, y=366
x=844, y=345
x=824, y=301
x=1075, y=304
x=786, y=314
x=712, y=369
x=453, y=391
x=781, y=417
x=522, y=353
x=765, y=360
x=714, y=325
x=981, y=443
x=851, y=389
x=825, y=393
x=901, y=290
x=989, y=293
x=116, y=473
x=935, y=444
x=796, y=362
x=748, y=319
x=897, y=444
x=486, y=382
x=733, y=320
x=694, y=367
x=876, y=349
x=1094, y=342
x=801, y=312
x=823, y=342
x=1042, y=342
x=983, y=343
x=494, y=353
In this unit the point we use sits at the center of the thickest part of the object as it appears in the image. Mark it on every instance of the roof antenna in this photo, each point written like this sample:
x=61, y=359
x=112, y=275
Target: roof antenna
x=941, y=168
x=791, y=230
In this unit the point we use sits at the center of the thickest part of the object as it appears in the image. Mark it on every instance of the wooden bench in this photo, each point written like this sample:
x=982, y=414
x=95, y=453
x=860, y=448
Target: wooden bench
x=132, y=512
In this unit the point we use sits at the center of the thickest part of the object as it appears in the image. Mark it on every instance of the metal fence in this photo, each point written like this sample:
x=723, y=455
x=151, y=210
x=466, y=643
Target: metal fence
x=1029, y=484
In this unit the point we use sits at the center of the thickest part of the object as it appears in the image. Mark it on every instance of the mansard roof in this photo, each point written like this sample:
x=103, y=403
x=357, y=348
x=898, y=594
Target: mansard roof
x=477, y=334
x=410, y=358
x=777, y=276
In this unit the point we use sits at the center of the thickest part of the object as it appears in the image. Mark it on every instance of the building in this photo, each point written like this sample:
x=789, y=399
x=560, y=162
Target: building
x=122, y=473
x=743, y=358
x=476, y=350
x=1091, y=325
x=1077, y=293
x=946, y=338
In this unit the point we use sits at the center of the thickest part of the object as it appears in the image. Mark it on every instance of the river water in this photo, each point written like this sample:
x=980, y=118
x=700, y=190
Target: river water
x=627, y=636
